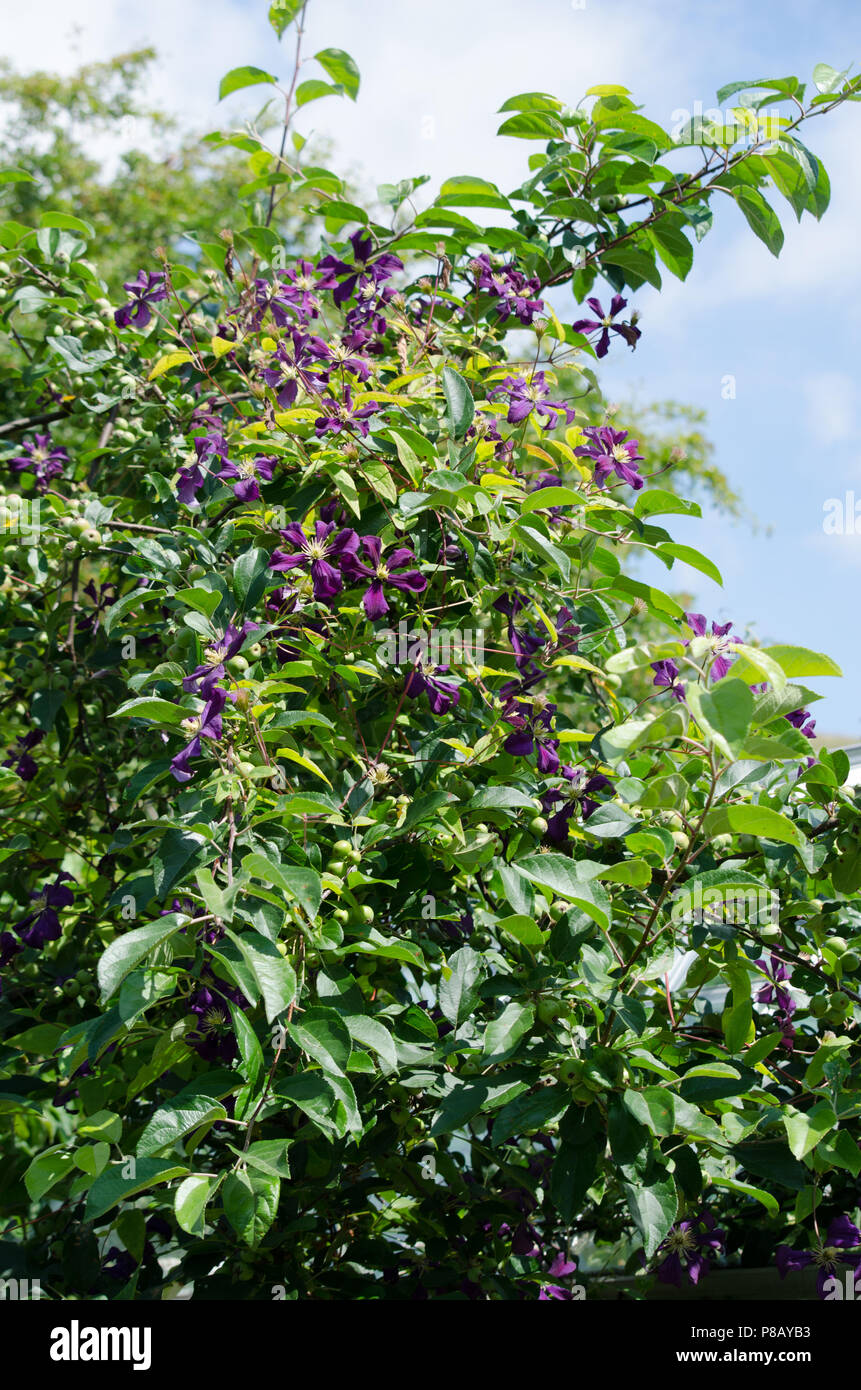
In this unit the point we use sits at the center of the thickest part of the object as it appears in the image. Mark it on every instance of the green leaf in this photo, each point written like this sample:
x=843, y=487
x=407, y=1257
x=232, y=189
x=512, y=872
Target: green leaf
x=123, y=1180
x=459, y=403
x=548, y=552
x=559, y=874
x=458, y=991
x=189, y=1204
x=196, y=1104
x=504, y=1033
x=150, y=707
x=105, y=1125
x=341, y=68
x=274, y=975
x=250, y=573
x=724, y=711
x=46, y=1170
x=123, y=954
x=752, y=820
x=323, y=1034
x=737, y=1018
x=672, y=246
x=270, y=1156
x=760, y=217
x=282, y=13
x=653, y=1107
x=804, y=1129
x=746, y=1189
x=800, y=661
x=303, y=886
x=238, y=78
x=313, y=90
x=250, y=1203
x=467, y=191
x=653, y=1205
x=689, y=556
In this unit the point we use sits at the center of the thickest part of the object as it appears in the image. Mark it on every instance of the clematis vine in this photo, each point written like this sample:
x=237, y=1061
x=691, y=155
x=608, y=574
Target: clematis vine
x=514, y=292
x=147, y=288
x=322, y=554
x=392, y=571
x=526, y=397
x=719, y=644
x=248, y=474
x=612, y=451
x=343, y=415
x=689, y=1249
x=841, y=1246
x=532, y=723
x=667, y=675
x=442, y=694
x=207, y=724
x=212, y=669
x=41, y=457
x=771, y=992
x=603, y=324
x=43, y=923
x=21, y=761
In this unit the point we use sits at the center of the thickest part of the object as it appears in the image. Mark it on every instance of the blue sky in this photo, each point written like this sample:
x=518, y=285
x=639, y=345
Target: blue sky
x=433, y=77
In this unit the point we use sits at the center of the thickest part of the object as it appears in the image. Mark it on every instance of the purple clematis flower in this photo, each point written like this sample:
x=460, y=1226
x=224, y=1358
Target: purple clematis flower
x=667, y=674
x=532, y=726
x=721, y=664
x=842, y=1246
x=513, y=291
x=365, y=274
x=147, y=288
x=524, y=397
x=247, y=473
x=296, y=366
x=300, y=288
x=770, y=992
x=43, y=923
x=612, y=452
x=25, y=766
x=214, y=1039
x=392, y=571
x=191, y=479
x=342, y=415
x=603, y=324
x=441, y=694
x=203, y=678
x=800, y=719
x=561, y=1268
x=322, y=554
x=42, y=458
x=207, y=724
x=688, y=1249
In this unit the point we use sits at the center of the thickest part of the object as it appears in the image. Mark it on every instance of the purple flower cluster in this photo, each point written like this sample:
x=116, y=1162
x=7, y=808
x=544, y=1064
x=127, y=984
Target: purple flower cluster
x=42, y=924
x=514, y=292
x=333, y=556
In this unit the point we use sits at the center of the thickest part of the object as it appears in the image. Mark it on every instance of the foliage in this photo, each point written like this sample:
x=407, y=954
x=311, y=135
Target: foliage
x=345, y=967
